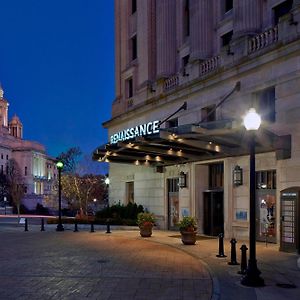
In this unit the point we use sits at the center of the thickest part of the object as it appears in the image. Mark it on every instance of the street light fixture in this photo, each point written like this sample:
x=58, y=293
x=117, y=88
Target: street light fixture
x=107, y=181
x=252, y=122
x=59, y=166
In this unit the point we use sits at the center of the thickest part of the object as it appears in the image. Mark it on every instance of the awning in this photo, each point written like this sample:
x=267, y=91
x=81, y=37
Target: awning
x=192, y=142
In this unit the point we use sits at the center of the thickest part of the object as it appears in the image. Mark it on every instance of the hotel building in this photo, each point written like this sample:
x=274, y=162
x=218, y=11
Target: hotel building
x=186, y=72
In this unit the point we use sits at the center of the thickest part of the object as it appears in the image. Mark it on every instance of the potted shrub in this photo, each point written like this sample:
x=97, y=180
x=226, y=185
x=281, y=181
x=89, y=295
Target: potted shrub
x=145, y=222
x=188, y=230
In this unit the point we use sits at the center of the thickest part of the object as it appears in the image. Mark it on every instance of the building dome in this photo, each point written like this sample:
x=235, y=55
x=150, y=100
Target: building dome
x=15, y=120
x=16, y=127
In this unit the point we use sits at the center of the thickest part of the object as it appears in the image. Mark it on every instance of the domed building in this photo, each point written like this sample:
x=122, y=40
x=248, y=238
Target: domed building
x=37, y=169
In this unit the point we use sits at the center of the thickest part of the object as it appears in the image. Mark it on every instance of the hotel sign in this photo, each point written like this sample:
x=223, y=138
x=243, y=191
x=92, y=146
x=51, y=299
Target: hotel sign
x=139, y=130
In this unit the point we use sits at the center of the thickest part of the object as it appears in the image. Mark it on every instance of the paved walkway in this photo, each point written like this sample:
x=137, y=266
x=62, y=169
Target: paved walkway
x=67, y=265
x=122, y=265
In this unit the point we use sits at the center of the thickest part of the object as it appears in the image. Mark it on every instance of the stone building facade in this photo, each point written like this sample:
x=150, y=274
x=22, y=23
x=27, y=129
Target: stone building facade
x=196, y=67
x=37, y=168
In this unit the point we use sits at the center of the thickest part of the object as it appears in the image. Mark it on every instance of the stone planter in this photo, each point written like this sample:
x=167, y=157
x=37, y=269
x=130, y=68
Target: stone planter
x=146, y=231
x=188, y=237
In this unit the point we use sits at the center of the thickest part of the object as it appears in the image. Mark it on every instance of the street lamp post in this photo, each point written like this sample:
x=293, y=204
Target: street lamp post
x=60, y=226
x=252, y=122
x=107, y=182
x=5, y=201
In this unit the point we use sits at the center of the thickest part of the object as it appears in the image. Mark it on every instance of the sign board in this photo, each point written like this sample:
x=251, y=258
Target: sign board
x=139, y=130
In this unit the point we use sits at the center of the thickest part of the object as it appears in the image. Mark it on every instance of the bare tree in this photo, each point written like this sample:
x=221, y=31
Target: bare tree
x=70, y=159
x=80, y=191
x=16, y=185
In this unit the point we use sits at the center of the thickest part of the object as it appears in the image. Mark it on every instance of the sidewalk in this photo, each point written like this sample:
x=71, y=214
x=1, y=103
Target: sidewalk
x=276, y=267
x=122, y=265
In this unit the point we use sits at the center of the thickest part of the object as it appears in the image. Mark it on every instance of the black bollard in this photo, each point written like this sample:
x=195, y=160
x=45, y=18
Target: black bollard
x=42, y=225
x=243, y=260
x=107, y=226
x=26, y=225
x=76, y=227
x=221, y=246
x=233, y=253
x=92, y=227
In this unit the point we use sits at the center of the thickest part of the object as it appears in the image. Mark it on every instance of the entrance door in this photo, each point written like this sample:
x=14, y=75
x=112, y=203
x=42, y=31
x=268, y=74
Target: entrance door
x=173, y=203
x=289, y=202
x=213, y=212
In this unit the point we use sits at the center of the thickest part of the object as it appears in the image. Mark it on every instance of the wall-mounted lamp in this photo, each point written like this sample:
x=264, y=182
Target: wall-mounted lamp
x=182, y=180
x=237, y=176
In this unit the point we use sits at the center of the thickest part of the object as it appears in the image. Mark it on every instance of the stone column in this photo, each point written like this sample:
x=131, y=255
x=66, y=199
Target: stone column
x=166, y=37
x=201, y=29
x=247, y=17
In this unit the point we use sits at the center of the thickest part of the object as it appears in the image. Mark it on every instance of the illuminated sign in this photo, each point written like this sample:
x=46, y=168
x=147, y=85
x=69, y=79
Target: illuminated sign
x=139, y=130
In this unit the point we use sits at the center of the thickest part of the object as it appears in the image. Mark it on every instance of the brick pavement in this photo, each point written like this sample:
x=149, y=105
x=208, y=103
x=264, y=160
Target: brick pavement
x=67, y=265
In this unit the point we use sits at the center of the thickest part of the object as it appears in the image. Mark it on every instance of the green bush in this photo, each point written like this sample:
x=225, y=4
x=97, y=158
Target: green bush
x=187, y=224
x=120, y=212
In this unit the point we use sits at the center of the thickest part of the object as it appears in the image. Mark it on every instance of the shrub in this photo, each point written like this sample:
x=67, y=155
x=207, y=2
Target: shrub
x=145, y=219
x=187, y=224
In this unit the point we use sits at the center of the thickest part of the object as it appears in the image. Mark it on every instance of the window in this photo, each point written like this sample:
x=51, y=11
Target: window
x=1, y=155
x=6, y=157
x=129, y=88
x=216, y=172
x=266, y=179
x=130, y=192
x=228, y=5
x=133, y=48
x=185, y=60
x=25, y=171
x=226, y=38
x=173, y=185
x=133, y=6
x=186, y=18
x=208, y=113
x=172, y=123
x=25, y=189
x=1, y=169
x=281, y=10
x=265, y=104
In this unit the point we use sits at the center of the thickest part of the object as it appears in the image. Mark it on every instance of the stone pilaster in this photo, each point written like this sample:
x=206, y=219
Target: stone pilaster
x=296, y=3
x=247, y=17
x=166, y=37
x=201, y=29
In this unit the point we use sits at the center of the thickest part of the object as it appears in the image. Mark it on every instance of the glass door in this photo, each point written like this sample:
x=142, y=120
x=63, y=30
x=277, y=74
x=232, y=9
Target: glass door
x=173, y=203
x=266, y=206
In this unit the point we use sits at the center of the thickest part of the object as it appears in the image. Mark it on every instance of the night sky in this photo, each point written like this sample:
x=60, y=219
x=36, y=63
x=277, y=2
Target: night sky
x=57, y=69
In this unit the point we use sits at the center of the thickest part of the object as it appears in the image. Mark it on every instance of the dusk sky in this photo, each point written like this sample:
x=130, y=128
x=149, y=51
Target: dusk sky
x=57, y=69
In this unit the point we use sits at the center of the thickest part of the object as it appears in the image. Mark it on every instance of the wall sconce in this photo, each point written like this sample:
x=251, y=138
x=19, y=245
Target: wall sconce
x=182, y=180
x=237, y=176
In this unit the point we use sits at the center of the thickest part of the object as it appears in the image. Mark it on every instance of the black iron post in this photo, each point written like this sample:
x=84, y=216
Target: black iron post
x=233, y=260
x=26, y=225
x=221, y=246
x=243, y=260
x=108, y=226
x=42, y=225
x=92, y=227
x=60, y=226
x=75, y=227
x=252, y=277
